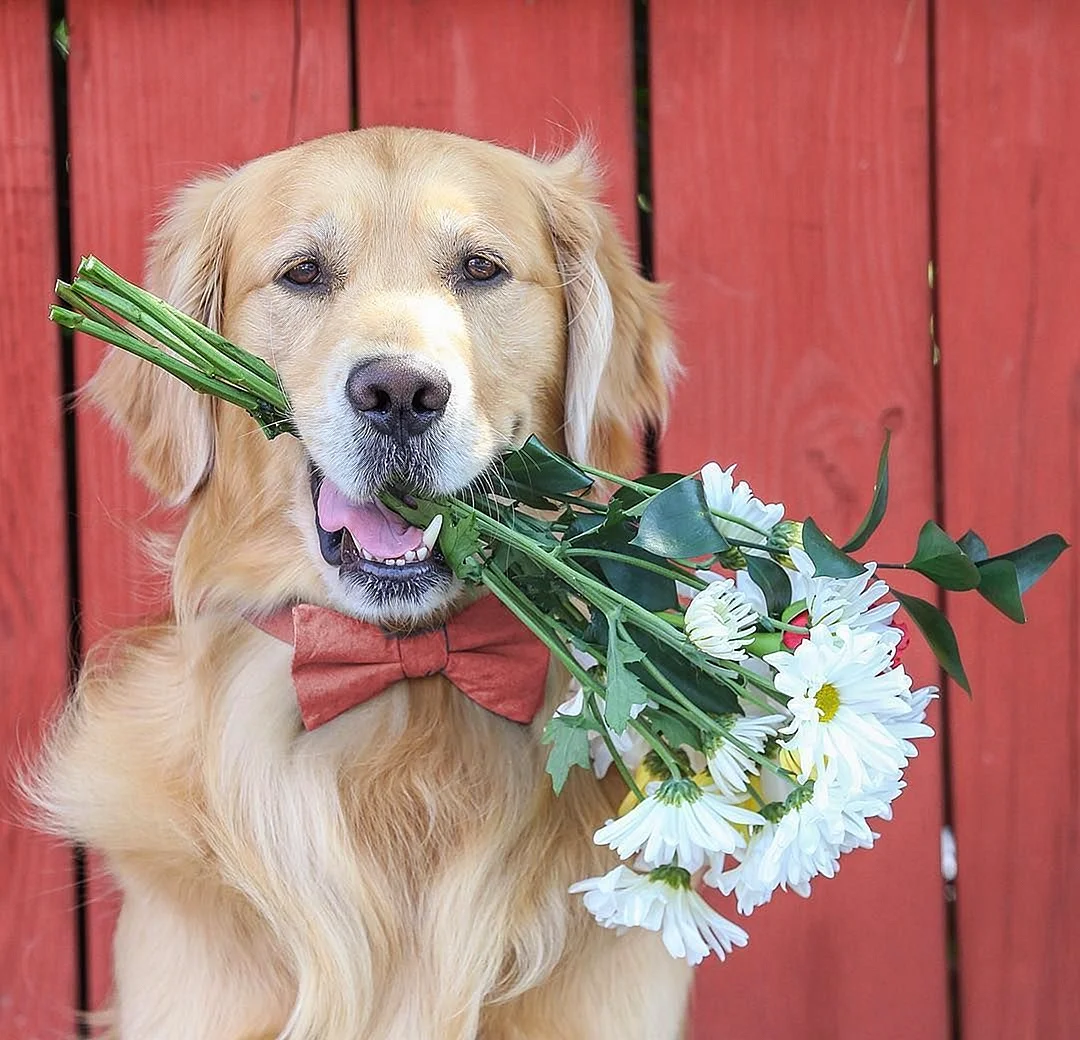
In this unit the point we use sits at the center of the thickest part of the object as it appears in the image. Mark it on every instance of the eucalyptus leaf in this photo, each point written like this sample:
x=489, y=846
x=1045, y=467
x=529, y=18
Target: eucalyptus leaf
x=701, y=689
x=1000, y=585
x=940, y=559
x=829, y=561
x=569, y=747
x=876, y=513
x=974, y=546
x=632, y=502
x=773, y=581
x=647, y=588
x=939, y=634
x=1033, y=560
x=677, y=523
x=537, y=467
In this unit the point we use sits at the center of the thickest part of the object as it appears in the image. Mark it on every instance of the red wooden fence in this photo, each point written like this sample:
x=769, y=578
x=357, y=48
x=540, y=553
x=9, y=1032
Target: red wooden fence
x=808, y=161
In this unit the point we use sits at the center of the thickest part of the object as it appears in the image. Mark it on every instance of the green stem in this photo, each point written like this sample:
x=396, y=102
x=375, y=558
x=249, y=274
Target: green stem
x=677, y=573
x=226, y=358
x=194, y=377
x=770, y=622
x=616, y=758
x=611, y=478
x=659, y=747
x=732, y=518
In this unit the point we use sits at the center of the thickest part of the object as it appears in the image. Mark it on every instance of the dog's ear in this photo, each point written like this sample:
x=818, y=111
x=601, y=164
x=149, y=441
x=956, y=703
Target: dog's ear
x=619, y=353
x=171, y=428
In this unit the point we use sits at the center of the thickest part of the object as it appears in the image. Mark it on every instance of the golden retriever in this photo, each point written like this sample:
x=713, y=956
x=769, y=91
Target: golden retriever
x=401, y=872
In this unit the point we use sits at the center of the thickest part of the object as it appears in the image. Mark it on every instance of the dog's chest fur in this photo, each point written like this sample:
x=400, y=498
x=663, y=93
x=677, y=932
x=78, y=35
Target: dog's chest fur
x=410, y=852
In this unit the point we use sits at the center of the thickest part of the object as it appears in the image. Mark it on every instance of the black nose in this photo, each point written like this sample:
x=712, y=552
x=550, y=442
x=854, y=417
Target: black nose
x=398, y=397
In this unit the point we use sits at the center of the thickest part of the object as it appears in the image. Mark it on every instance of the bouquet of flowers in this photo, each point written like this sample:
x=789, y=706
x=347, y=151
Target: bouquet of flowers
x=741, y=671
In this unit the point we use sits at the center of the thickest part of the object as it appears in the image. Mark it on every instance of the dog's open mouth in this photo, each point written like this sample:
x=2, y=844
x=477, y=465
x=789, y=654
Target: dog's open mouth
x=374, y=546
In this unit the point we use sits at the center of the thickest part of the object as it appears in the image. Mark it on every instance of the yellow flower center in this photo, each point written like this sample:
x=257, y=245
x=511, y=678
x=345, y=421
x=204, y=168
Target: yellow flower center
x=827, y=701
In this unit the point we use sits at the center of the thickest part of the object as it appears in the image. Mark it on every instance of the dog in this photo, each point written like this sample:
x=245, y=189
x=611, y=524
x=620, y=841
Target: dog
x=401, y=872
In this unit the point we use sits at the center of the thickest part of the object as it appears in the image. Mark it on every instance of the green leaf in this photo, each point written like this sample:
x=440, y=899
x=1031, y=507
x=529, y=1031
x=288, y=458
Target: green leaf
x=939, y=634
x=541, y=470
x=650, y=590
x=974, y=546
x=674, y=728
x=1000, y=585
x=677, y=523
x=878, y=503
x=829, y=561
x=773, y=581
x=459, y=542
x=624, y=689
x=940, y=559
x=1033, y=560
x=569, y=747
x=697, y=686
x=632, y=502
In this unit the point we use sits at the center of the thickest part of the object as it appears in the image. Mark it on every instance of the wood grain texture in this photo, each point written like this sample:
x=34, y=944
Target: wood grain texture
x=1009, y=214
x=158, y=93
x=790, y=169
x=533, y=76
x=37, y=937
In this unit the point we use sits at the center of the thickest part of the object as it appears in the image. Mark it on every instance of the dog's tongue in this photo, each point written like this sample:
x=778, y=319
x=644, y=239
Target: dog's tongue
x=373, y=527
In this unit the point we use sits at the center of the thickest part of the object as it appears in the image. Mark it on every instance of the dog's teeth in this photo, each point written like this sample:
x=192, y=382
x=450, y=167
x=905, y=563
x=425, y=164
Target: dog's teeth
x=431, y=532
x=410, y=556
x=366, y=554
x=398, y=561
x=422, y=553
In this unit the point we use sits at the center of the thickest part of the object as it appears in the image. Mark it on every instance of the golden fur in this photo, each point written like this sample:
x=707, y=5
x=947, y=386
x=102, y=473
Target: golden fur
x=400, y=873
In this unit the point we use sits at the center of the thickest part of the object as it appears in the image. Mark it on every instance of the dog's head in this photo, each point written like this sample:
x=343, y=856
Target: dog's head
x=427, y=300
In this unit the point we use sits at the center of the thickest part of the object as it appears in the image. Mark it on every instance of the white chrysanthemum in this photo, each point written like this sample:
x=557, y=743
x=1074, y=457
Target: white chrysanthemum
x=720, y=622
x=854, y=602
x=909, y=725
x=838, y=683
x=786, y=853
x=723, y=495
x=678, y=818
x=661, y=901
x=728, y=760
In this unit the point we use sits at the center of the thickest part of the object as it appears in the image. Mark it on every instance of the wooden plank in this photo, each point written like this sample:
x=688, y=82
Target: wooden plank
x=532, y=76
x=1009, y=214
x=790, y=171
x=37, y=941
x=158, y=93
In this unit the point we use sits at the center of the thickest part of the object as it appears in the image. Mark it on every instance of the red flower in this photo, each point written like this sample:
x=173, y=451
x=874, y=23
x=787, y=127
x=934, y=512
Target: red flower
x=793, y=639
x=905, y=639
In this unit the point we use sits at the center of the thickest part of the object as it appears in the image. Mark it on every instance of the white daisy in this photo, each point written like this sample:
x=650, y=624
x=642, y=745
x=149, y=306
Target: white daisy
x=720, y=622
x=723, y=495
x=909, y=725
x=838, y=683
x=795, y=845
x=855, y=602
x=661, y=901
x=727, y=759
x=678, y=818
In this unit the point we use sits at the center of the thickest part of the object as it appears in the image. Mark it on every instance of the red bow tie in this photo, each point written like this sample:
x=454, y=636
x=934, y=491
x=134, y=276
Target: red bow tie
x=339, y=662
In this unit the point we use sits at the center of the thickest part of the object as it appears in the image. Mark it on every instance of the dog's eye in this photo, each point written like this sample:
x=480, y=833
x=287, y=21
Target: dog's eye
x=307, y=272
x=479, y=268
